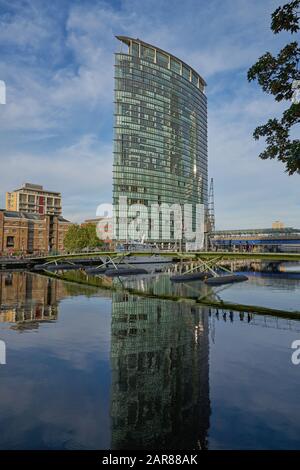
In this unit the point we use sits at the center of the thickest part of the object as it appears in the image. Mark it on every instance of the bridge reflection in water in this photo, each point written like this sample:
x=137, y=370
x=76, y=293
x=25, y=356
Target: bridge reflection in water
x=251, y=319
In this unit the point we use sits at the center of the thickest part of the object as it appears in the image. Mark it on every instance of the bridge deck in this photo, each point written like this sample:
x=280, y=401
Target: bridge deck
x=6, y=263
x=187, y=255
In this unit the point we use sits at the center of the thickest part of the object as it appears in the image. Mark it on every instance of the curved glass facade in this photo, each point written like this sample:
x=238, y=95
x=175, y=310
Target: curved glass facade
x=160, y=144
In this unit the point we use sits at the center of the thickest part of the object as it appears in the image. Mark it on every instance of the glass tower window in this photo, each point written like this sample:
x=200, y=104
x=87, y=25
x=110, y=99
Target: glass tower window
x=162, y=59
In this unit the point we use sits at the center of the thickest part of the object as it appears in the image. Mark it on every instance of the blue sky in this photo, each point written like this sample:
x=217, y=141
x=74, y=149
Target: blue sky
x=56, y=128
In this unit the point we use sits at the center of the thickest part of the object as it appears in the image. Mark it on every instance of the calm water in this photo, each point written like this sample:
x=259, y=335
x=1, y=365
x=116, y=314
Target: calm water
x=92, y=369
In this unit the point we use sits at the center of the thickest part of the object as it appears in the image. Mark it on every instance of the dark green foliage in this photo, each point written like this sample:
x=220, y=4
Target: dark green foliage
x=79, y=238
x=277, y=76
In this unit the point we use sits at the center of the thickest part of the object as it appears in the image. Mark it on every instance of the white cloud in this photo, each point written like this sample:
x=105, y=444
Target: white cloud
x=82, y=171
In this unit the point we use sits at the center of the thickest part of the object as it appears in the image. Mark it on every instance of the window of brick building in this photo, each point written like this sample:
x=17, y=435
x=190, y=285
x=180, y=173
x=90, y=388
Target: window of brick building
x=10, y=242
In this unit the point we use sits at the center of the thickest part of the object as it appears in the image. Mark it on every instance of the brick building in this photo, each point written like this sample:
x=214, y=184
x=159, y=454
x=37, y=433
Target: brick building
x=27, y=300
x=26, y=233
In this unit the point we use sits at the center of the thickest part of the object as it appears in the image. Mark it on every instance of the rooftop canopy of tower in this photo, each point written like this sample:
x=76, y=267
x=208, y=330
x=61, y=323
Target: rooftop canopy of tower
x=147, y=51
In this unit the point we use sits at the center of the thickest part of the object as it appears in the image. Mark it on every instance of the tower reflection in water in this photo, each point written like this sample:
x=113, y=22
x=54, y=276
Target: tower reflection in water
x=160, y=374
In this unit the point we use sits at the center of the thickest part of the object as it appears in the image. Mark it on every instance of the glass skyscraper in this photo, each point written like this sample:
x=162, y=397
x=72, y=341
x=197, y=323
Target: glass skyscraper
x=160, y=141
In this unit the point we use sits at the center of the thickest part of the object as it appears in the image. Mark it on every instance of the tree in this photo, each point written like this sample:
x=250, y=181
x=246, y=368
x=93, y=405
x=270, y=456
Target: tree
x=280, y=77
x=89, y=235
x=78, y=238
x=72, y=240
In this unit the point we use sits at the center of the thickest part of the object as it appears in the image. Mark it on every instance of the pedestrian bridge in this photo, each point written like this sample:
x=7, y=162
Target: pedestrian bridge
x=29, y=262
